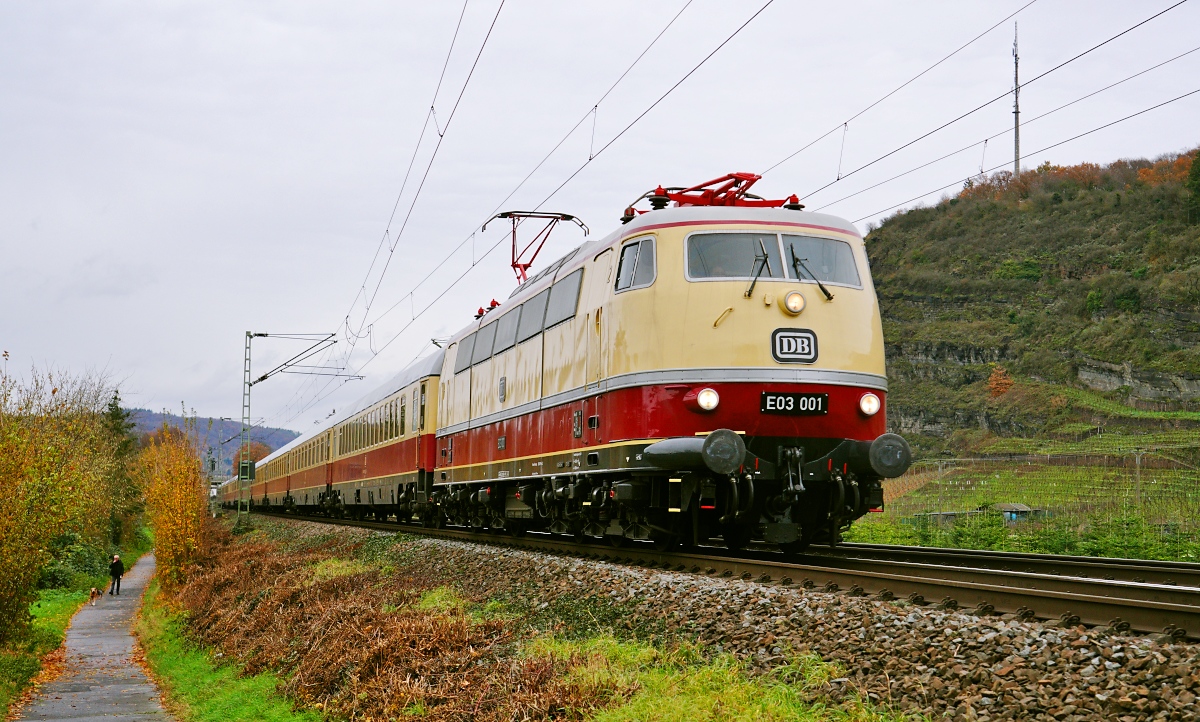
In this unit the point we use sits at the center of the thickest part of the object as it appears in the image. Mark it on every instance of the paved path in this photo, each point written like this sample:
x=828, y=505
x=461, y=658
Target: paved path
x=102, y=682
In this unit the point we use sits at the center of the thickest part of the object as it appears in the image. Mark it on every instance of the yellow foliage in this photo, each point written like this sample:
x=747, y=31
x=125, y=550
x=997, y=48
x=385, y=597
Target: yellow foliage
x=176, y=502
x=57, y=463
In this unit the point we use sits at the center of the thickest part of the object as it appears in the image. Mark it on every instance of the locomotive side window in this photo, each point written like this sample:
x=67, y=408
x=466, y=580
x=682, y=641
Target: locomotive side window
x=832, y=261
x=625, y=270
x=644, y=275
x=484, y=338
x=532, y=314
x=462, y=361
x=564, y=297
x=734, y=255
x=636, y=268
x=506, y=331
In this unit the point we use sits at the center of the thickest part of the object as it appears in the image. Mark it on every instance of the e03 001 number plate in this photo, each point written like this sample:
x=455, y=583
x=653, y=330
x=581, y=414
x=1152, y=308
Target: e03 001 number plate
x=794, y=404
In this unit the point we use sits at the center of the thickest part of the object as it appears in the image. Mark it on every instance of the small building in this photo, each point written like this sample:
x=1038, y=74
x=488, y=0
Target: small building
x=1014, y=513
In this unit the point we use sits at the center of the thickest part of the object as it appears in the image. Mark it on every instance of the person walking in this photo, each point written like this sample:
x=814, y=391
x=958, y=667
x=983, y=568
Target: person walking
x=116, y=570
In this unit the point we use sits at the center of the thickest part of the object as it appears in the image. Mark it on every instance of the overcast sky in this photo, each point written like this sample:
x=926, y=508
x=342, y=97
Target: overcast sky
x=173, y=175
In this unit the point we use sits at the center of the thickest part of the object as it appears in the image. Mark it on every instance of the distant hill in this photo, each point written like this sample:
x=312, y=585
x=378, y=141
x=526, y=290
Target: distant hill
x=1081, y=283
x=212, y=433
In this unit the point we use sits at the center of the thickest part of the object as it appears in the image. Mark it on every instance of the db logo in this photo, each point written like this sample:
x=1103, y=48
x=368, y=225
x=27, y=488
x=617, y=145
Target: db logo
x=794, y=345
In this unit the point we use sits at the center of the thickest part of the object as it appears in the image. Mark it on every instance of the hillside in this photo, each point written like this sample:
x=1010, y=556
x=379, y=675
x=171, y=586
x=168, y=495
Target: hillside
x=1081, y=283
x=212, y=432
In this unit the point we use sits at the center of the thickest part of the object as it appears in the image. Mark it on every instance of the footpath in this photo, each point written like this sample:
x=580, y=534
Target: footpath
x=102, y=681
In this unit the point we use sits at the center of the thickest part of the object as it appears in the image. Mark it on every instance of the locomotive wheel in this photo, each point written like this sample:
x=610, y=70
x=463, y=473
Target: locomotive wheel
x=616, y=541
x=665, y=542
x=735, y=537
x=795, y=548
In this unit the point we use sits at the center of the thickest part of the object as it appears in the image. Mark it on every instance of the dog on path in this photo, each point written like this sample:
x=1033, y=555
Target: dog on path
x=94, y=595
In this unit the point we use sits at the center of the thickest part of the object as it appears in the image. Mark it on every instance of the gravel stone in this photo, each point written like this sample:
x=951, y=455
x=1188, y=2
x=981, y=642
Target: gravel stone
x=945, y=664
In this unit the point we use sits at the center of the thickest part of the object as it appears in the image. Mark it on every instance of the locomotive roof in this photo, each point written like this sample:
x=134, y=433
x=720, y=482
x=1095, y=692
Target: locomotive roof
x=686, y=215
x=430, y=365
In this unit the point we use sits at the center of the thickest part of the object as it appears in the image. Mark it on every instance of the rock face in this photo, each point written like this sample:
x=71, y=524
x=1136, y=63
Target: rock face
x=1084, y=277
x=1150, y=385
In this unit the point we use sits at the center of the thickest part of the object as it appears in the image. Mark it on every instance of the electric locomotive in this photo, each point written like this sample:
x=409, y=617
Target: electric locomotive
x=712, y=369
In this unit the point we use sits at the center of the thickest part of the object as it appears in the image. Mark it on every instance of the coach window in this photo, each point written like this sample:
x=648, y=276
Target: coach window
x=402, y=410
x=484, y=338
x=636, y=268
x=422, y=418
x=506, y=331
x=532, y=314
x=462, y=361
x=830, y=260
x=564, y=297
x=734, y=255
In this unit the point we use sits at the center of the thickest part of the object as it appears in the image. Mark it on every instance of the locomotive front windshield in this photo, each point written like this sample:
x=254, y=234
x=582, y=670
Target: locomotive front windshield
x=734, y=255
x=744, y=255
x=831, y=261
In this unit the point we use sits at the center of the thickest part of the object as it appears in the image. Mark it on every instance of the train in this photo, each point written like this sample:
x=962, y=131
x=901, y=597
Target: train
x=710, y=372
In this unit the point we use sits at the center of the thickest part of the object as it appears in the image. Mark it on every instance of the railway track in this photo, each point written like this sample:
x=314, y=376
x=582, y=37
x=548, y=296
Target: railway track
x=1141, y=596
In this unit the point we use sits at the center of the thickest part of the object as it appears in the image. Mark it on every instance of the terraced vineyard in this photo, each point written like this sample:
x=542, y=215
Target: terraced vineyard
x=1092, y=502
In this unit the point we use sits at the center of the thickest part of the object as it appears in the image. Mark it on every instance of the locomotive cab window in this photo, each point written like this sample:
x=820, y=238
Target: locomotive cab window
x=636, y=268
x=564, y=297
x=829, y=260
x=734, y=255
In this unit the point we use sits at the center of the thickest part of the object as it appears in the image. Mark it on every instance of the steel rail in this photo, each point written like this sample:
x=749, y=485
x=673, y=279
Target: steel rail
x=1131, y=570
x=1120, y=605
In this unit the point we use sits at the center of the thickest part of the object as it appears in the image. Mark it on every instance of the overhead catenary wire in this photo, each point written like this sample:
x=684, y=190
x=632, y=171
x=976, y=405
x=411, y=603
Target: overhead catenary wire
x=470, y=238
x=540, y=163
x=993, y=100
x=410, y=295
x=462, y=276
x=412, y=160
x=352, y=337
x=1007, y=130
x=429, y=165
x=898, y=88
x=1039, y=150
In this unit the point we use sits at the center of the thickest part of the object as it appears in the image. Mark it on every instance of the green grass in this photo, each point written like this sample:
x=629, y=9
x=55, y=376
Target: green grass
x=1096, y=402
x=22, y=660
x=197, y=689
x=681, y=685
x=333, y=568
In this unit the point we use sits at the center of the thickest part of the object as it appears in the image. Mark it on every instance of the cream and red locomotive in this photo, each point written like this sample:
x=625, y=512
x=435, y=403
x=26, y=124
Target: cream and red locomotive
x=714, y=368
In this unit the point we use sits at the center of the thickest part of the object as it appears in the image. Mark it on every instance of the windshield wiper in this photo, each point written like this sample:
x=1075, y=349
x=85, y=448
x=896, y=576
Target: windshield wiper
x=797, y=264
x=761, y=262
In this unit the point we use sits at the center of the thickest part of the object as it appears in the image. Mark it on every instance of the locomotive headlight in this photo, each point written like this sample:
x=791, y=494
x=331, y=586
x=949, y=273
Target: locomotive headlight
x=708, y=399
x=869, y=404
x=794, y=303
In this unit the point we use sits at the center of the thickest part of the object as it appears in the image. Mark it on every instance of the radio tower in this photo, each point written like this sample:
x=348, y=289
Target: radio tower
x=1016, y=108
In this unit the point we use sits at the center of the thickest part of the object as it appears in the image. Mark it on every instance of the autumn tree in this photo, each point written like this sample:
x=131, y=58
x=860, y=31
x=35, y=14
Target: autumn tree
x=169, y=472
x=999, y=382
x=57, y=467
